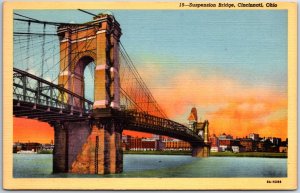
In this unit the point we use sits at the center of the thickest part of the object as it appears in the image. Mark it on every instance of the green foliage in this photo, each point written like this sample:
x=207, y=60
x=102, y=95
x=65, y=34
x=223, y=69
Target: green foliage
x=213, y=154
x=45, y=152
x=159, y=152
x=249, y=154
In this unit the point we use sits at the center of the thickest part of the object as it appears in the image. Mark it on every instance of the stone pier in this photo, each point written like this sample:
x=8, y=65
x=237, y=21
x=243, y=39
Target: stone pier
x=200, y=151
x=85, y=148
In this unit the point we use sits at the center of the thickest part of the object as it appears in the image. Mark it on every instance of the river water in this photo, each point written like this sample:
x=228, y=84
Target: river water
x=40, y=165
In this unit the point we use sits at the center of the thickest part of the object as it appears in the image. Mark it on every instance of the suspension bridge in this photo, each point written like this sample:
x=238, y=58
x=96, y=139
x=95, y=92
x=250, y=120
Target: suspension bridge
x=54, y=65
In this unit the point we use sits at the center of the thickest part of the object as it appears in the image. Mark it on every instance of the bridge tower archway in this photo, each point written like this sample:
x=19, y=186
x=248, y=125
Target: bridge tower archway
x=96, y=41
x=90, y=146
x=83, y=79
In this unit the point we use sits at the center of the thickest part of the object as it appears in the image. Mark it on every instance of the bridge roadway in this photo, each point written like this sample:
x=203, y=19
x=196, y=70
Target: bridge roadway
x=36, y=98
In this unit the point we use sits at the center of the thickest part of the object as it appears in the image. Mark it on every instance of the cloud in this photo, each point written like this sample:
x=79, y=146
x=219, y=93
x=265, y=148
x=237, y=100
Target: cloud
x=229, y=105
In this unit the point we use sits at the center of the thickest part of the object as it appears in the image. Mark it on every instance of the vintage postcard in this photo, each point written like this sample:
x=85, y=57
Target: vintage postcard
x=150, y=95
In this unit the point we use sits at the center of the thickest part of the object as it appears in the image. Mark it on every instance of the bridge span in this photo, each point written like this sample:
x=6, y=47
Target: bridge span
x=88, y=135
x=45, y=102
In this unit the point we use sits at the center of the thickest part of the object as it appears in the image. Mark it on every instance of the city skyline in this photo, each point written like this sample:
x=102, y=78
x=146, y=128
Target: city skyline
x=44, y=135
x=230, y=65
x=150, y=136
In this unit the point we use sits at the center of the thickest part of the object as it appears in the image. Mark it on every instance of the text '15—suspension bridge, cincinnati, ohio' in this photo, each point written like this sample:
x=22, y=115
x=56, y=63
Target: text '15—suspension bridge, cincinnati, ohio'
x=49, y=84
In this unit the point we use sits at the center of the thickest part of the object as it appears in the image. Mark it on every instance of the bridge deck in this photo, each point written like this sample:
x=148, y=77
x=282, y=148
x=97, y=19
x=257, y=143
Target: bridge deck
x=35, y=98
x=46, y=113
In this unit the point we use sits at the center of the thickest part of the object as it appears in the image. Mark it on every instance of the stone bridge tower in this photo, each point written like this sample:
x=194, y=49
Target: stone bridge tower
x=201, y=128
x=90, y=146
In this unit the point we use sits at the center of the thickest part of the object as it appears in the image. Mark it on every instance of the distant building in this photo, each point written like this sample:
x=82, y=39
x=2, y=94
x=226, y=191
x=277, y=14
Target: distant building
x=160, y=145
x=224, y=136
x=225, y=142
x=215, y=149
x=275, y=141
x=269, y=146
x=47, y=147
x=34, y=147
x=135, y=144
x=156, y=137
x=141, y=144
x=283, y=149
x=175, y=145
x=17, y=147
x=126, y=140
x=223, y=147
x=284, y=143
x=254, y=136
x=260, y=146
x=214, y=141
x=247, y=143
x=235, y=149
x=148, y=144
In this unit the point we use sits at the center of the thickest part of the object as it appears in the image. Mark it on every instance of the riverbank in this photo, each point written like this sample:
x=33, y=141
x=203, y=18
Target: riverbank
x=249, y=154
x=158, y=152
x=214, y=154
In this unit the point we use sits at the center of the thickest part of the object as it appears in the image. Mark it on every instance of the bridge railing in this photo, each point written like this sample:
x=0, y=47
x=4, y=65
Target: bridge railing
x=35, y=90
x=161, y=125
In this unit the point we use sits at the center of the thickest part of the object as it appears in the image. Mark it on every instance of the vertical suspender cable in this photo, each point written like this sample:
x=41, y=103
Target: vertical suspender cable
x=43, y=50
x=27, y=46
x=53, y=58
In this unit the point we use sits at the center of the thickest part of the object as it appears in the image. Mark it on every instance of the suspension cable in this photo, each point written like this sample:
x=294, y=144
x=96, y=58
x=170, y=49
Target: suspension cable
x=37, y=34
x=56, y=23
x=87, y=12
x=140, y=81
x=25, y=17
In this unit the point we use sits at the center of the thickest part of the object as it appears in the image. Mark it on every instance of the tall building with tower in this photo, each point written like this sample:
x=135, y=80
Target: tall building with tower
x=193, y=118
x=200, y=128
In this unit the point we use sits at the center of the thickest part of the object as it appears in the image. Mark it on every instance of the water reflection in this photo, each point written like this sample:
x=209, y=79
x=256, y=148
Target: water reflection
x=39, y=165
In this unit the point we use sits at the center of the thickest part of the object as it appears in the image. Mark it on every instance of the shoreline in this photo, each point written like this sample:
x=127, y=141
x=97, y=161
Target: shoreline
x=158, y=152
x=213, y=154
x=249, y=154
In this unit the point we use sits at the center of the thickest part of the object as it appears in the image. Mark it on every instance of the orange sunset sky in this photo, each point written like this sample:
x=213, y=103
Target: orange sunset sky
x=230, y=65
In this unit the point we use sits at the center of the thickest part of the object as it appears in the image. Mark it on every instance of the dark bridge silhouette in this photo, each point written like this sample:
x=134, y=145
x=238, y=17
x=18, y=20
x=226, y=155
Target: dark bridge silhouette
x=88, y=134
x=44, y=102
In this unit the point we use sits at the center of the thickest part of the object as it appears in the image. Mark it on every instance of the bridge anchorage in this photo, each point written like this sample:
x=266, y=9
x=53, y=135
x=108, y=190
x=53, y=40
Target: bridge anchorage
x=88, y=135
